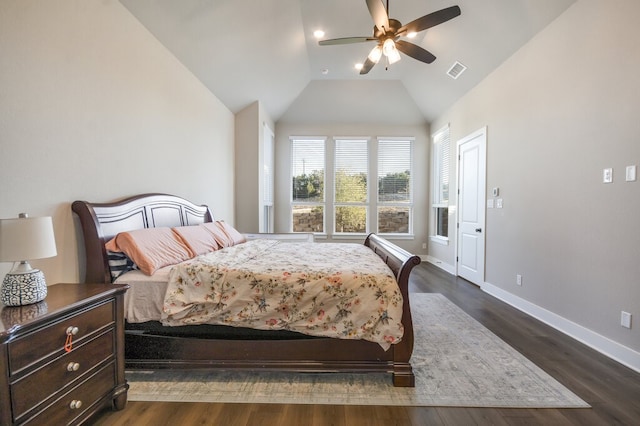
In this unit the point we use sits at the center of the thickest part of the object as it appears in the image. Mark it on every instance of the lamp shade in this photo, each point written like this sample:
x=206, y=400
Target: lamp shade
x=26, y=238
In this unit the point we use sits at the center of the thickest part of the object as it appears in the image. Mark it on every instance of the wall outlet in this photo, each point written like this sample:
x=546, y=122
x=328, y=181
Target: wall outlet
x=424, y=246
x=625, y=319
x=519, y=279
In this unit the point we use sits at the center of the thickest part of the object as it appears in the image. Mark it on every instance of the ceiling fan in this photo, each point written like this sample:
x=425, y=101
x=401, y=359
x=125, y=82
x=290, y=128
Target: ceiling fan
x=387, y=33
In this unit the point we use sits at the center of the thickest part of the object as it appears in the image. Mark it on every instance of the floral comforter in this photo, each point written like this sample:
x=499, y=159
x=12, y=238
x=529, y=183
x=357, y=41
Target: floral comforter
x=321, y=289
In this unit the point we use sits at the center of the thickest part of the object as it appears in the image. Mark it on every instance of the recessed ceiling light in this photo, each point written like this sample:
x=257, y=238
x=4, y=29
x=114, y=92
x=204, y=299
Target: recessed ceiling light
x=358, y=66
x=412, y=34
x=325, y=71
x=318, y=33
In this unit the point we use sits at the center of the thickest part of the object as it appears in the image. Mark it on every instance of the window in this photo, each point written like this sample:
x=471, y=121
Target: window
x=350, y=185
x=395, y=200
x=307, y=171
x=266, y=222
x=440, y=197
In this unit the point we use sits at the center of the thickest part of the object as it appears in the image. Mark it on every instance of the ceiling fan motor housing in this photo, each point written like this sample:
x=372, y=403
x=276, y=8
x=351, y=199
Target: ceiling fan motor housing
x=394, y=26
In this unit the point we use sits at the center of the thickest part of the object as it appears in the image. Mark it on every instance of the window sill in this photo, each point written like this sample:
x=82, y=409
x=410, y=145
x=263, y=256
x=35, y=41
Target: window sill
x=354, y=236
x=360, y=236
x=323, y=236
x=440, y=240
x=397, y=236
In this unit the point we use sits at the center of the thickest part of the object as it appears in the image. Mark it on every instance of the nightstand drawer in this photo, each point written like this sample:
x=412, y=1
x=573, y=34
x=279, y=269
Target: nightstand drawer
x=39, y=385
x=66, y=409
x=41, y=382
x=34, y=346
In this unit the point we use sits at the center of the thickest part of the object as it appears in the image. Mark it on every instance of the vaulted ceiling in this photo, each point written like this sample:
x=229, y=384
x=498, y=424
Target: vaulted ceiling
x=265, y=50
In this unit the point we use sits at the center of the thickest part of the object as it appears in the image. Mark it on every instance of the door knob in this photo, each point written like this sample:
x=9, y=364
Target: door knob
x=478, y=229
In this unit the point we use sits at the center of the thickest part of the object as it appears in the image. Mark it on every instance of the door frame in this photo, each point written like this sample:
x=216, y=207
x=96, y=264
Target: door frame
x=482, y=132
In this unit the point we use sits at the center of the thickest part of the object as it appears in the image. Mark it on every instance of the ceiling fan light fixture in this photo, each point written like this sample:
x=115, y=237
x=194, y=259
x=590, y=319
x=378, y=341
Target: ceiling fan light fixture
x=390, y=51
x=388, y=46
x=375, y=54
x=393, y=56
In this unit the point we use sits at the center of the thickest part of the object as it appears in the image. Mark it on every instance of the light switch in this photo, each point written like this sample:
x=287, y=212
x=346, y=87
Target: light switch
x=490, y=203
x=607, y=175
x=631, y=173
x=499, y=203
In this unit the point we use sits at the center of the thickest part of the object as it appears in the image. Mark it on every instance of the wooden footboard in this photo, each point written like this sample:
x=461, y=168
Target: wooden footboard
x=144, y=350
x=401, y=263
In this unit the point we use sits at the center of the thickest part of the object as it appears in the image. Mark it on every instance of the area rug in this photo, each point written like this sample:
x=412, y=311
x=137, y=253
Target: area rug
x=456, y=360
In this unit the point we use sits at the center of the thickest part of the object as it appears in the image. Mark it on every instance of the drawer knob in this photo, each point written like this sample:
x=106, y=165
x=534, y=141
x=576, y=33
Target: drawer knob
x=71, y=331
x=75, y=404
x=73, y=366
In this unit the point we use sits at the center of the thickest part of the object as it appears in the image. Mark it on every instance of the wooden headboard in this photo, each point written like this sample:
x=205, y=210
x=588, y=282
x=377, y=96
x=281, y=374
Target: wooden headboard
x=102, y=221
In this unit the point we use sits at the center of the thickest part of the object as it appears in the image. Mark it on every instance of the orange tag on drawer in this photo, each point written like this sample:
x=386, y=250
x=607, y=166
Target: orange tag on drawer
x=68, y=344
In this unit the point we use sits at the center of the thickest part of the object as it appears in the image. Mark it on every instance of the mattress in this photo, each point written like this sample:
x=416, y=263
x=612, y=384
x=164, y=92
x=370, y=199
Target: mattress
x=143, y=301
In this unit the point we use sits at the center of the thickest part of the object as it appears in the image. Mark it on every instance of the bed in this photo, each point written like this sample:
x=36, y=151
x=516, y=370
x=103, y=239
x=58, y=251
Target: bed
x=152, y=345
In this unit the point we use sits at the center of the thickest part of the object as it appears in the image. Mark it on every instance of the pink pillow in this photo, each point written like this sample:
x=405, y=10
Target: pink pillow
x=236, y=236
x=151, y=248
x=198, y=239
x=225, y=234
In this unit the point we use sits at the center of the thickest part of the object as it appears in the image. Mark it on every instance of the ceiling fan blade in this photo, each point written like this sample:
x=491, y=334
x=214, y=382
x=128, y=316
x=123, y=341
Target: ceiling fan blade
x=366, y=67
x=344, y=40
x=430, y=20
x=379, y=14
x=416, y=52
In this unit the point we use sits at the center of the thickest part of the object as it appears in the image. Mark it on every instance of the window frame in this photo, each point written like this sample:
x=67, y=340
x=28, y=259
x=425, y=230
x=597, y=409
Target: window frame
x=372, y=204
x=441, y=153
x=267, y=160
x=403, y=204
x=366, y=204
x=292, y=202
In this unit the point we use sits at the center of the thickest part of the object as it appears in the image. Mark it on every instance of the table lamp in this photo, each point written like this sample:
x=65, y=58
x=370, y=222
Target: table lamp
x=22, y=239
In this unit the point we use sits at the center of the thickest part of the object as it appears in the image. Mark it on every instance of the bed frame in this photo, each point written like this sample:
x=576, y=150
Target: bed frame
x=151, y=350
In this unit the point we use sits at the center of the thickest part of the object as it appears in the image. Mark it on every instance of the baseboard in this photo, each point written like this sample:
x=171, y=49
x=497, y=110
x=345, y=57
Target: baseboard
x=440, y=264
x=620, y=353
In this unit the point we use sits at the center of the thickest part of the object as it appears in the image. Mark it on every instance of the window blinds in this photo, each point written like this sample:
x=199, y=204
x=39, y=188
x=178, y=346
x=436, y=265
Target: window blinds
x=394, y=170
x=351, y=166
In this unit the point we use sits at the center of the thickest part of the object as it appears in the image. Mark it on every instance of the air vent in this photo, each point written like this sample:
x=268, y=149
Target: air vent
x=456, y=69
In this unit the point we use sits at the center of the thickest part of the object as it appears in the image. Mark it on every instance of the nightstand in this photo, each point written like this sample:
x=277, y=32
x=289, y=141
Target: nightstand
x=62, y=359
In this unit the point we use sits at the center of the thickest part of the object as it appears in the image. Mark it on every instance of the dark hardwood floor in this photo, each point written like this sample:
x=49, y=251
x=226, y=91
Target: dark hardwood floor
x=612, y=390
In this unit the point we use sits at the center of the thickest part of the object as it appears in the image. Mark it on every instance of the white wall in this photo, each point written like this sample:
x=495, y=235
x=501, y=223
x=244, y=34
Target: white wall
x=249, y=135
x=93, y=107
x=564, y=107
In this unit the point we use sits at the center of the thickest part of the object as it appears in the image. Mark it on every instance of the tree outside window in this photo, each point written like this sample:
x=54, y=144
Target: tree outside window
x=307, y=190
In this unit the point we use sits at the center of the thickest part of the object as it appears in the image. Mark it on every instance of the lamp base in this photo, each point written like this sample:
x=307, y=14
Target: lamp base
x=23, y=288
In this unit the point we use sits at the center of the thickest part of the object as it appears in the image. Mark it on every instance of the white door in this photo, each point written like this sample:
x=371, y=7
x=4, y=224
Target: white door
x=471, y=213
